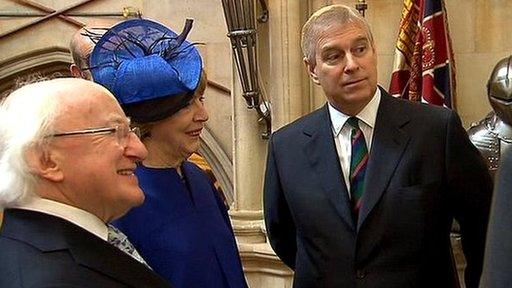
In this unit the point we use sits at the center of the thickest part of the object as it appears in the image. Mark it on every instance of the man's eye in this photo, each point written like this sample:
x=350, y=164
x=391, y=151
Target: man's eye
x=332, y=56
x=122, y=130
x=360, y=50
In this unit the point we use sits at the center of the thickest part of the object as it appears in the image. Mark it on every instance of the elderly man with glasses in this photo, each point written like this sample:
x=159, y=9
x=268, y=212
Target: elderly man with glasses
x=67, y=157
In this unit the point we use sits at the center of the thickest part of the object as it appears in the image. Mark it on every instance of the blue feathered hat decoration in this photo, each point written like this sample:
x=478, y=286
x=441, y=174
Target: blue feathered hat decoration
x=141, y=60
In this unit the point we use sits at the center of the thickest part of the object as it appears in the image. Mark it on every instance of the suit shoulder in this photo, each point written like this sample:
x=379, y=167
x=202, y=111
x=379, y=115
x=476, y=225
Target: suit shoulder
x=421, y=111
x=420, y=107
x=29, y=266
x=298, y=125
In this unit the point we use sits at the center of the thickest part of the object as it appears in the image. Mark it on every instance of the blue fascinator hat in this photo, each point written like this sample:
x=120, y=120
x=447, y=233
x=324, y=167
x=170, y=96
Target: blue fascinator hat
x=151, y=70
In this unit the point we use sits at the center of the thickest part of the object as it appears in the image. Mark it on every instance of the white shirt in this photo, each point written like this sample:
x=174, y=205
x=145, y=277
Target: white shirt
x=69, y=213
x=341, y=132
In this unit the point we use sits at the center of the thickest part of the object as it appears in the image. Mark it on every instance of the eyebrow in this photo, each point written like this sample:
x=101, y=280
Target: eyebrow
x=361, y=39
x=116, y=118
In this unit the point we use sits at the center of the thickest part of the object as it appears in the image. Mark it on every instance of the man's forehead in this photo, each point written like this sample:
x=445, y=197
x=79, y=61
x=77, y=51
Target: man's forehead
x=94, y=119
x=331, y=43
x=92, y=104
x=350, y=27
x=118, y=119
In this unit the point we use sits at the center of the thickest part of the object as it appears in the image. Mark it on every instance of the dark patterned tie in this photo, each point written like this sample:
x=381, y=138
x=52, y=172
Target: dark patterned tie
x=120, y=240
x=358, y=162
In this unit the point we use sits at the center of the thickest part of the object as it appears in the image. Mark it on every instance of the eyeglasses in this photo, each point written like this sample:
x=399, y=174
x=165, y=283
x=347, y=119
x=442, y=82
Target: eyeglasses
x=121, y=132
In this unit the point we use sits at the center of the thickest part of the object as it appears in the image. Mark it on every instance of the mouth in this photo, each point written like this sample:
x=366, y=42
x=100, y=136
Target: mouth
x=353, y=82
x=195, y=133
x=126, y=172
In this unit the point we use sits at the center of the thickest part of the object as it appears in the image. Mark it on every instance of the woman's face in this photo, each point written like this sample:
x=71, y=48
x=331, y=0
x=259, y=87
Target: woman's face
x=179, y=133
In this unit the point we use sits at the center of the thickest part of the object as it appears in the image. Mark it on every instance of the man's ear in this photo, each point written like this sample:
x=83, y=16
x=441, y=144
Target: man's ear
x=75, y=71
x=42, y=162
x=311, y=70
x=375, y=51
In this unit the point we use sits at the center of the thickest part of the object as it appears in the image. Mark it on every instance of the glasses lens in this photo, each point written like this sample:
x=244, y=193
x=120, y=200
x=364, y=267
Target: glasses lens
x=123, y=133
x=136, y=131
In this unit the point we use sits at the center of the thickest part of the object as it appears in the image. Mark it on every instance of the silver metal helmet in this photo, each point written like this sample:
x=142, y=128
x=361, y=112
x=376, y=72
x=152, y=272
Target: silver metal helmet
x=499, y=89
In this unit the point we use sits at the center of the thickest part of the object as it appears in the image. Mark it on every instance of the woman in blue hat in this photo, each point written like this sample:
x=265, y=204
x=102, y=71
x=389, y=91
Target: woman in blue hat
x=182, y=230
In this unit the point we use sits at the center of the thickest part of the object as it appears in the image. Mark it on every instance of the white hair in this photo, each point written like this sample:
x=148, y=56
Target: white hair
x=26, y=117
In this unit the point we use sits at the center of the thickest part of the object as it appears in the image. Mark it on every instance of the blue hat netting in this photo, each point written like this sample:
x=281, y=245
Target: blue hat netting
x=140, y=60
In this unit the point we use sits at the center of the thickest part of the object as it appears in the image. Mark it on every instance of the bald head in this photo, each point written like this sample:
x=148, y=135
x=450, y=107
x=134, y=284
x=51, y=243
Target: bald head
x=81, y=47
x=63, y=96
x=63, y=89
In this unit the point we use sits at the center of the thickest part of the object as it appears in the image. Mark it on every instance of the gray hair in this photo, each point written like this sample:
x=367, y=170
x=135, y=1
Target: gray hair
x=82, y=44
x=26, y=117
x=322, y=19
x=77, y=51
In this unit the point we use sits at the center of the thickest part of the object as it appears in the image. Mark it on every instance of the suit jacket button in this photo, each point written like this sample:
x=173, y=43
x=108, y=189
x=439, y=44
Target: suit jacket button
x=360, y=274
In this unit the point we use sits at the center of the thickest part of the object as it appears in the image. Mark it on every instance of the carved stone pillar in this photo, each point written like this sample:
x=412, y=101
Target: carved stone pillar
x=262, y=268
x=286, y=85
x=249, y=151
x=288, y=82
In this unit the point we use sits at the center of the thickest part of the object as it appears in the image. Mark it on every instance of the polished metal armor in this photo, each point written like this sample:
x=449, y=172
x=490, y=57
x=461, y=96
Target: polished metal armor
x=493, y=134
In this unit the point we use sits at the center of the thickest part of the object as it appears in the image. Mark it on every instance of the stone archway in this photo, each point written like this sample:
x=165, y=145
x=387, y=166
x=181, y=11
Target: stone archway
x=47, y=62
x=219, y=162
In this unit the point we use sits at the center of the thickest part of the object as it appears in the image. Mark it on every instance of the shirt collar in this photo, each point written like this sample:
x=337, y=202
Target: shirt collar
x=368, y=114
x=69, y=213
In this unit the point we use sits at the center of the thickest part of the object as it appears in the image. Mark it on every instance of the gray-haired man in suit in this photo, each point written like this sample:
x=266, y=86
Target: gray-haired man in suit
x=362, y=192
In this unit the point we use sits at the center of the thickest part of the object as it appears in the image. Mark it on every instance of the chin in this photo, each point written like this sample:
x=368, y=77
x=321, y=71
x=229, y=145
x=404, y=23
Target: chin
x=361, y=96
x=141, y=199
x=193, y=148
x=137, y=198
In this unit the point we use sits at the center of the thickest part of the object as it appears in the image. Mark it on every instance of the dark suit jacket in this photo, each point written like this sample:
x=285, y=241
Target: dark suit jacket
x=422, y=172
x=39, y=250
x=498, y=252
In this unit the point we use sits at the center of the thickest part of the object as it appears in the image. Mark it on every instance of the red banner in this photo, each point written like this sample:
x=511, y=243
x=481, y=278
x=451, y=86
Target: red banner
x=423, y=68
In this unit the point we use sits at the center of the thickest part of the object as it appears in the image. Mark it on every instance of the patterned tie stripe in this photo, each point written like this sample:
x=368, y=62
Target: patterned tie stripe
x=358, y=162
x=120, y=241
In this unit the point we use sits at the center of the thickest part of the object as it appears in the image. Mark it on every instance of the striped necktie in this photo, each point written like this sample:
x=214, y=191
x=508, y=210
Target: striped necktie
x=358, y=161
x=120, y=241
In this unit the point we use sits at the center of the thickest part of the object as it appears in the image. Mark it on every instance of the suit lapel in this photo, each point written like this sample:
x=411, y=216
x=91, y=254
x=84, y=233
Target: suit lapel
x=107, y=259
x=389, y=141
x=50, y=233
x=321, y=152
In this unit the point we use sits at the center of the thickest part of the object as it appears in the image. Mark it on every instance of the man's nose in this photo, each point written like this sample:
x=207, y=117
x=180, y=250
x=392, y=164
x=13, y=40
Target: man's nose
x=135, y=148
x=352, y=63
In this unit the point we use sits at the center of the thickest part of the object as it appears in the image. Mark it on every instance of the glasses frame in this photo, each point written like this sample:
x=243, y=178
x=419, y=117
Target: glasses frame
x=95, y=131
